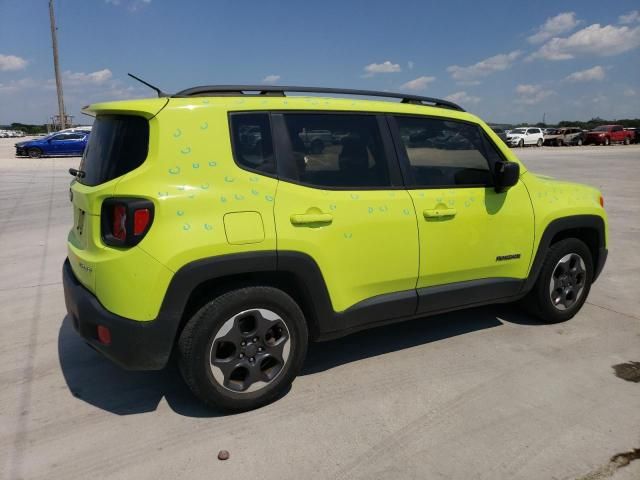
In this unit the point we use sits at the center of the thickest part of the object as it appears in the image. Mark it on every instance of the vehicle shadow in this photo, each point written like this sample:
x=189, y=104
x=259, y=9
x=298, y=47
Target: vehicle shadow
x=95, y=380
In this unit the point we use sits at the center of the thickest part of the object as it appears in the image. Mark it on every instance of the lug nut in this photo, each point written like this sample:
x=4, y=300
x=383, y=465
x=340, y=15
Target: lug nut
x=241, y=355
x=255, y=339
x=243, y=343
x=252, y=359
x=260, y=349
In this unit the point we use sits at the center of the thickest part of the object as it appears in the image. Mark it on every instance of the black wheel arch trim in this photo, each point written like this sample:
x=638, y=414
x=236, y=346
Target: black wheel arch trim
x=563, y=224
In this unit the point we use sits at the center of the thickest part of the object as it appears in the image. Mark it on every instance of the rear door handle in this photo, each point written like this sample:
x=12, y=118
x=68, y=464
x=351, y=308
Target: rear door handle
x=311, y=218
x=439, y=212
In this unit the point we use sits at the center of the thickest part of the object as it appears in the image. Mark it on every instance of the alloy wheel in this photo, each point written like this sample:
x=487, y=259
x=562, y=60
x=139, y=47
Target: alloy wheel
x=250, y=350
x=567, y=281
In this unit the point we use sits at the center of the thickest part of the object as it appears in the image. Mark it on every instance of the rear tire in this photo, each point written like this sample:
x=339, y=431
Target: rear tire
x=243, y=349
x=626, y=141
x=607, y=142
x=579, y=142
x=34, y=152
x=521, y=144
x=539, y=143
x=563, y=284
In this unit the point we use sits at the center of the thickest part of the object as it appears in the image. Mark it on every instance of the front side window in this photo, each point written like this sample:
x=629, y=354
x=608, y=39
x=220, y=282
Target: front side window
x=445, y=153
x=252, y=144
x=335, y=150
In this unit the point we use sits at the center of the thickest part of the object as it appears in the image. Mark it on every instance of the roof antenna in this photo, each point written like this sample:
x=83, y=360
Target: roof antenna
x=159, y=92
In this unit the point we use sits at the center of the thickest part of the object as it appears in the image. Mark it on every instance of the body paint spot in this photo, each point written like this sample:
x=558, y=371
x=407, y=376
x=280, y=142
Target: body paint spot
x=348, y=235
x=186, y=227
x=223, y=199
x=405, y=211
x=177, y=133
x=175, y=170
x=213, y=164
x=268, y=198
x=204, y=186
x=370, y=209
x=238, y=196
x=255, y=192
x=333, y=206
x=229, y=179
x=467, y=203
x=192, y=195
x=205, y=101
x=163, y=194
x=384, y=208
x=208, y=226
x=195, y=165
x=180, y=213
x=181, y=187
x=185, y=150
x=204, y=126
x=253, y=179
x=355, y=196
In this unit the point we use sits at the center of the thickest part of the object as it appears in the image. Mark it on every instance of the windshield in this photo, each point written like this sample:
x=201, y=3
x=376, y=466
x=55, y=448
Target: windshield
x=518, y=130
x=601, y=129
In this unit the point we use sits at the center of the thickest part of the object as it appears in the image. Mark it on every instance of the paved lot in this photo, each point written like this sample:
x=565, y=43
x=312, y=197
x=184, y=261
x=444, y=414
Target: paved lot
x=485, y=393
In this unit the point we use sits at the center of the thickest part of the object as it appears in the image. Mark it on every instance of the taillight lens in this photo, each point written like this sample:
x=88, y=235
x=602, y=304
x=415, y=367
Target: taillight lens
x=125, y=221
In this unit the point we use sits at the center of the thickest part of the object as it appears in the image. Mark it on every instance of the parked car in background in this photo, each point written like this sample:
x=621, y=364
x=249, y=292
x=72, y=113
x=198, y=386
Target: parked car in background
x=56, y=144
x=634, y=132
x=500, y=133
x=519, y=137
x=11, y=133
x=564, y=136
x=608, y=134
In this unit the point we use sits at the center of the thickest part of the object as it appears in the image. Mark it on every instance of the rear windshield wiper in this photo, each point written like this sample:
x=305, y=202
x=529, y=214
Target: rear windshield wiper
x=77, y=173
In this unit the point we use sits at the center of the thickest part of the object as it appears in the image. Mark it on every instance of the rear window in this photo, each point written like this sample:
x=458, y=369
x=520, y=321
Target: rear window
x=117, y=145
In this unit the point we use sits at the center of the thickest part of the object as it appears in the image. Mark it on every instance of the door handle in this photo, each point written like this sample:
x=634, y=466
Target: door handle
x=311, y=218
x=439, y=212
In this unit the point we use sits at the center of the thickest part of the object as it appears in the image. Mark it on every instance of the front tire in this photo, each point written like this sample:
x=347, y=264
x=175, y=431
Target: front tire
x=627, y=141
x=521, y=144
x=563, y=283
x=243, y=349
x=539, y=143
x=34, y=152
x=607, y=142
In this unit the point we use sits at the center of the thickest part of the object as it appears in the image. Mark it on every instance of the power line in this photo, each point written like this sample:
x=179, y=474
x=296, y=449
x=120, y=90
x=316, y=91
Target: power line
x=56, y=67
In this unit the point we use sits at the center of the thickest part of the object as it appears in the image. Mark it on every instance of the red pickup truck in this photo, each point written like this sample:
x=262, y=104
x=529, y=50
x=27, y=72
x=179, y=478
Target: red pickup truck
x=608, y=134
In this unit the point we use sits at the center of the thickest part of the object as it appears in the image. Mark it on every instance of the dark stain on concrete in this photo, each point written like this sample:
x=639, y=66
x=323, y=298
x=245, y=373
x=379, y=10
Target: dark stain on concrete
x=629, y=371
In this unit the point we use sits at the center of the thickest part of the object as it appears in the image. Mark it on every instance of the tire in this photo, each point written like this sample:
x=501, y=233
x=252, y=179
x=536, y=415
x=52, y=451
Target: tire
x=558, y=143
x=34, y=152
x=626, y=141
x=261, y=323
x=579, y=142
x=554, y=305
x=521, y=143
x=539, y=143
x=607, y=142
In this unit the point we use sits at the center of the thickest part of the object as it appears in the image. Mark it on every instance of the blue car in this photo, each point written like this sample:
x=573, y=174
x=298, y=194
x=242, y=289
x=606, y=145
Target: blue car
x=56, y=144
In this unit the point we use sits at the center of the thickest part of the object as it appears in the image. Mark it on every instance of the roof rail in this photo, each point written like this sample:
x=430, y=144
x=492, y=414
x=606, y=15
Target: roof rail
x=279, y=91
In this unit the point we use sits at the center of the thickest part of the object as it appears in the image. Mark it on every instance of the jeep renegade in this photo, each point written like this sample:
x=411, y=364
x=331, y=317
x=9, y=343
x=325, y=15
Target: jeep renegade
x=232, y=225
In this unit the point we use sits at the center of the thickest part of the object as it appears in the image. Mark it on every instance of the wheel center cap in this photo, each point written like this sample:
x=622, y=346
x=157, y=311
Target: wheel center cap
x=251, y=350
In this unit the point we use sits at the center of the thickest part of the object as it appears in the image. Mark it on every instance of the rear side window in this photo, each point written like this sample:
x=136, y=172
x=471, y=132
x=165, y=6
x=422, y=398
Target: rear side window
x=252, y=144
x=117, y=145
x=444, y=153
x=336, y=150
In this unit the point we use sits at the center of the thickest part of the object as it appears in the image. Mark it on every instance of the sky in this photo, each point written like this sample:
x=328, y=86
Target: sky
x=507, y=62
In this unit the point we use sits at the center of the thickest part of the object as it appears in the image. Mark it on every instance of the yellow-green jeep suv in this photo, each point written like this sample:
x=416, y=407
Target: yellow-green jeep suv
x=231, y=225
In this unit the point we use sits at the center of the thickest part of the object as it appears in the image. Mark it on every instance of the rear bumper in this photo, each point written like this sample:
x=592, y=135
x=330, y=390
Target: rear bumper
x=135, y=345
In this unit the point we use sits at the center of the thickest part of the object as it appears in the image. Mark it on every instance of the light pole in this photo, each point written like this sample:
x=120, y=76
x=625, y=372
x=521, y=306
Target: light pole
x=56, y=67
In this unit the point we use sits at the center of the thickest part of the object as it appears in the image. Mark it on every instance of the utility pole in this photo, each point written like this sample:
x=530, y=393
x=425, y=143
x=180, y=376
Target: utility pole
x=54, y=41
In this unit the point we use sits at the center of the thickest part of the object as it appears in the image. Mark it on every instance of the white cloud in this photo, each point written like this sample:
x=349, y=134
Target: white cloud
x=132, y=5
x=592, y=40
x=99, y=77
x=469, y=75
x=629, y=18
x=17, y=85
x=462, y=97
x=561, y=23
x=532, y=94
x=384, y=67
x=588, y=75
x=9, y=63
x=420, y=83
x=271, y=79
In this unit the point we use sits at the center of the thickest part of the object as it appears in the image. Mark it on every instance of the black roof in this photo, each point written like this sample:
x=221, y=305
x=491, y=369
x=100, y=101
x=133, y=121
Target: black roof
x=279, y=91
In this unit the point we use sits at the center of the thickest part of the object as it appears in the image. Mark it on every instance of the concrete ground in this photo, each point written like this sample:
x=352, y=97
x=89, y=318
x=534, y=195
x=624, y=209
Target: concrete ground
x=485, y=393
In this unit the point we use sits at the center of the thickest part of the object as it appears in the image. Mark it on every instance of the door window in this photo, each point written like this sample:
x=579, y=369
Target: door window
x=252, y=144
x=336, y=151
x=445, y=153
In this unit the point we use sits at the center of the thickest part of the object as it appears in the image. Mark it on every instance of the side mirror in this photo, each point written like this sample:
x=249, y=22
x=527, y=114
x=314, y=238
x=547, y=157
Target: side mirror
x=505, y=175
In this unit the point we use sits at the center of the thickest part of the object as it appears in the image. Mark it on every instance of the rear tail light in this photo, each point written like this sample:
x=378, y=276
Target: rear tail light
x=125, y=221
x=104, y=335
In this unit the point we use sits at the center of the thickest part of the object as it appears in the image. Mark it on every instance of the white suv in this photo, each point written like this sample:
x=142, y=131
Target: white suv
x=519, y=137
